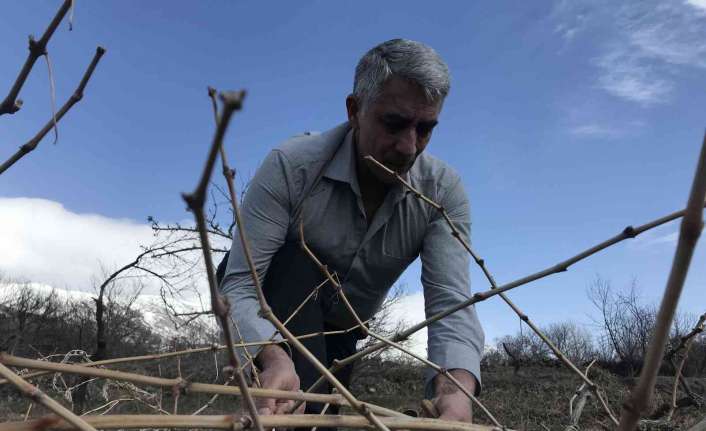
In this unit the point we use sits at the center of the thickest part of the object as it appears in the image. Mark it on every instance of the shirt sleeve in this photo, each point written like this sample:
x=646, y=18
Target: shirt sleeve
x=457, y=340
x=265, y=216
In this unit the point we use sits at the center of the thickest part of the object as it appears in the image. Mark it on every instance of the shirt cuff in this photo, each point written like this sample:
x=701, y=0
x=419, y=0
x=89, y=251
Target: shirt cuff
x=258, y=329
x=451, y=356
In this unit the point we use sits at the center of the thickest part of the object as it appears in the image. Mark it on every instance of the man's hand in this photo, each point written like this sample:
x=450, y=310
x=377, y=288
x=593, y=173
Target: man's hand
x=450, y=401
x=277, y=373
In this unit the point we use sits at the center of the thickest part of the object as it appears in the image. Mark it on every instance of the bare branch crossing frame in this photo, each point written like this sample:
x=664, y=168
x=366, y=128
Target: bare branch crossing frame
x=369, y=415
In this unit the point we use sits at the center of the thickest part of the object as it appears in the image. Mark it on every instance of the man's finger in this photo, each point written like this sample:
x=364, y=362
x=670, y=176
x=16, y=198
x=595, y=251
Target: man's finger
x=429, y=409
x=264, y=411
x=283, y=407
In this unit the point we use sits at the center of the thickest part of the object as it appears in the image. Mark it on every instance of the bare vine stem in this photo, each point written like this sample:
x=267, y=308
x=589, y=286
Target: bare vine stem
x=37, y=48
x=628, y=232
x=34, y=394
x=684, y=344
x=229, y=175
x=232, y=101
x=181, y=353
x=339, y=289
x=189, y=387
x=689, y=233
x=272, y=339
x=235, y=422
x=580, y=396
x=75, y=98
x=481, y=263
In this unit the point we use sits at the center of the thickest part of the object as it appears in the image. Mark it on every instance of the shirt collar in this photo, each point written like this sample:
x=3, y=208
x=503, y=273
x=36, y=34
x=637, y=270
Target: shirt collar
x=343, y=164
x=343, y=168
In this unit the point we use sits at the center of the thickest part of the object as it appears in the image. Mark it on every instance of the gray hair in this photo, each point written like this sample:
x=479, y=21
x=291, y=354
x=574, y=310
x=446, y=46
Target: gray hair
x=403, y=58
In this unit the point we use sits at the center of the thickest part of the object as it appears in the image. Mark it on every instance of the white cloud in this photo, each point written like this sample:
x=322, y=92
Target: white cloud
x=627, y=76
x=658, y=238
x=571, y=21
x=667, y=238
x=644, y=43
x=594, y=131
x=668, y=32
x=698, y=4
x=410, y=310
x=43, y=242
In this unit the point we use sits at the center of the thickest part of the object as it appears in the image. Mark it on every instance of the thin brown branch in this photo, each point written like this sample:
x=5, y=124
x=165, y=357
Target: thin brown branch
x=580, y=398
x=240, y=423
x=37, y=48
x=75, y=97
x=191, y=387
x=34, y=394
x=339, y=289
x=159, y=356
x=213, y=399
x=232, y=101
x=481, y=263
x=691, y=226
x=229, y=174
x=686, y=339
x=178, y=228
x=176, y=251
x=194, y=313
x=628, y=232
x=677, y=377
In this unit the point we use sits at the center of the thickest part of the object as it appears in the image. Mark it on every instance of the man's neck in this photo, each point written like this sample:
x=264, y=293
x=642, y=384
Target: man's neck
x=372, y=190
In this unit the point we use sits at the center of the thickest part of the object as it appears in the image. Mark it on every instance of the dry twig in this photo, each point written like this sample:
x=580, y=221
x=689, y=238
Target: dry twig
x=339, y=289
x=229, y=175
x=232, y=101
x=691, y=226
x=75, y=97
x=481, y=263
x=40, y=397
x=239, y=423
x=628, y=232
x=159, y=356
x=580, y=397
x=194, y=387
x=37, y=48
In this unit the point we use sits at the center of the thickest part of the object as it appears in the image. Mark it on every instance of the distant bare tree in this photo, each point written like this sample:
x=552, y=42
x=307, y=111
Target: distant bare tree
x=524, y=348
x=626, y=323
x=30, y=315
x=575, y=341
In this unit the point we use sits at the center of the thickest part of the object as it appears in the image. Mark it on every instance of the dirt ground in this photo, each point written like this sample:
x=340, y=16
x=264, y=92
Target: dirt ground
x=536, y=398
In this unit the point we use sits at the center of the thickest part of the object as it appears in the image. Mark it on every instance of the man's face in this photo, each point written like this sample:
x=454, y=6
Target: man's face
x=395, y=127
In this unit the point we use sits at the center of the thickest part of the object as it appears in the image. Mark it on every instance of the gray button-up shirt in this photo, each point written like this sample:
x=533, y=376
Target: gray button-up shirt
x=368, y=255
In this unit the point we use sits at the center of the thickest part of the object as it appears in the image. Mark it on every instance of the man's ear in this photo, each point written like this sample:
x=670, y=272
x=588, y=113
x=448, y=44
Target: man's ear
x=353, y=109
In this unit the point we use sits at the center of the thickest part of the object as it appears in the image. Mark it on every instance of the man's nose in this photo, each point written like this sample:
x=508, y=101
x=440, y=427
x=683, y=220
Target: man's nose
x=407, y=142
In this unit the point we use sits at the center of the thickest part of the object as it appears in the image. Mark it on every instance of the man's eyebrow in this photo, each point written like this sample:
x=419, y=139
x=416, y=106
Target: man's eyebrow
x=398, y=118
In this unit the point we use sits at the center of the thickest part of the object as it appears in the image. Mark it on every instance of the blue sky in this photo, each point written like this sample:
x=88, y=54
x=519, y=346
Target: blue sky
x=566, y=120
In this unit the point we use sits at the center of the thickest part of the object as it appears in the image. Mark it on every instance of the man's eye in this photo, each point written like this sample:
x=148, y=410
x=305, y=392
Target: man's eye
x=393, y=126
x=424, y=129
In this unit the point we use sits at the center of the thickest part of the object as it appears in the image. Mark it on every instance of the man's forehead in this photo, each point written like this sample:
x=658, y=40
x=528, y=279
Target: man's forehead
x=402, y=98
x=403, y=109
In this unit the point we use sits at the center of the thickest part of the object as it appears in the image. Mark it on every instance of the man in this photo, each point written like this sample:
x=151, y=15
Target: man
x=364, y=226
